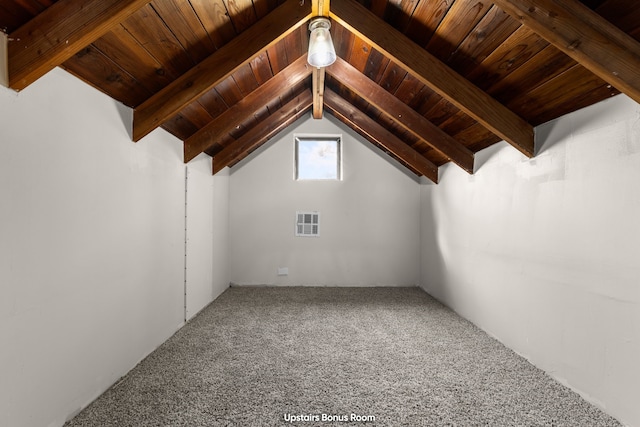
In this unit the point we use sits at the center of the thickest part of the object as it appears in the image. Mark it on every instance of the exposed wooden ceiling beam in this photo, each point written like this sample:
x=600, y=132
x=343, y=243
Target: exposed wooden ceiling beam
x=318, y=91
x=58, y=33
x=221, y=64
x=585, y=36
x=402, y=114
x=265, y=130
x=378, y=135
x=246, y=107
x=435, y=74
x=318, y=8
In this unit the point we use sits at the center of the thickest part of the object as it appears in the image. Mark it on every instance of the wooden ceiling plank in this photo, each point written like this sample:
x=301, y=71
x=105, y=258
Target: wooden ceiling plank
x=277, y=55
x=297, y=43
x=592, y=41
x=378, y=7
x=378, y=135
x=261, y=68
x=318, y=91
x=425, y=19
x=471, y=135
x=376, y=65
x=512, y=53
x=359, y=54
x=264, y=131
x=218, y=66
x=342, y=40
x=245, y=79
x=574, y=86
x=215, y=19
x=442, y=111
x=400, y=13
x=402, y=114
x=180, y=126
x=249, y=105
x=461, y=18
x=623, y=13
x=152, y=33
x=229, y=91
x=91, y=65
x=213, y=102
x=58, y=33
x=197, y=114
x=242, y=13
x=408, y=89
x=492, y=30
x=435, y=74
x=13, y=16
x=119, y=45
x=262, y=114
x=392, y=77
x=263, y=7
x=544, y=66
x=187, y=28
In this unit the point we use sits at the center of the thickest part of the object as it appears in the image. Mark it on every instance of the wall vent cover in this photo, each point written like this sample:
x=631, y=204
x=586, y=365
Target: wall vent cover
x=307, y=224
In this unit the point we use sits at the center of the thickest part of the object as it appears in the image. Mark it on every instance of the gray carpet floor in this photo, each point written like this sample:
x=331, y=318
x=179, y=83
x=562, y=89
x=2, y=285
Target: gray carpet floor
x=335, y=356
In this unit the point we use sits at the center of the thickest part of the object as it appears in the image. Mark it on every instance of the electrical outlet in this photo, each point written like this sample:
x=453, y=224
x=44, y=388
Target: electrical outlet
x=283, y=271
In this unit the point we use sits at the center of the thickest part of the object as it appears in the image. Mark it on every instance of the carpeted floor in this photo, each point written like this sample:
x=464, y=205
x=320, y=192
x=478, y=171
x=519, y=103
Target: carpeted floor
x=335, y=356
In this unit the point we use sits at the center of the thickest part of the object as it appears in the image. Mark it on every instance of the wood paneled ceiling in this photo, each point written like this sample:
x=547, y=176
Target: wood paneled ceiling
x=428, y=81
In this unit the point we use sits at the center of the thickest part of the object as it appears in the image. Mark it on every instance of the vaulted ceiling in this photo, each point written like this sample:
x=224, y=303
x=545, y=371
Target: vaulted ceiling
x=428, y=81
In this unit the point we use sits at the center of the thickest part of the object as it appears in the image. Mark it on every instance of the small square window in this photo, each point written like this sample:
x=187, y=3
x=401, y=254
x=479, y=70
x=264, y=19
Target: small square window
x=308, y=224
x=317, y=158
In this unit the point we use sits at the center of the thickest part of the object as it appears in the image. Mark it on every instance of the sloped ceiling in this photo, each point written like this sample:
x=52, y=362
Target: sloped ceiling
x=428, y=81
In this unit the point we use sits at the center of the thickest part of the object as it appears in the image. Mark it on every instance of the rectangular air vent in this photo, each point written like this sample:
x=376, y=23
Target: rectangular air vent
x=308, y=224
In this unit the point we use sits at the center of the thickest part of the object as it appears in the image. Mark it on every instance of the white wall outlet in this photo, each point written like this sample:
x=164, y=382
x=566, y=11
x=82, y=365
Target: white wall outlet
x=283, y=271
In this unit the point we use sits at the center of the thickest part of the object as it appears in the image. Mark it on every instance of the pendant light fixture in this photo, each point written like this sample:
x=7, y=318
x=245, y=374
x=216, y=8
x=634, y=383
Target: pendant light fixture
x=321, y=50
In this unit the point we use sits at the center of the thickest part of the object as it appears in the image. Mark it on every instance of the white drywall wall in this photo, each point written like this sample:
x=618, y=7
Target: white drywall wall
x=369, y=231
x=221, y=267
x=91, y=247
x=543, y=253
x=207, y=236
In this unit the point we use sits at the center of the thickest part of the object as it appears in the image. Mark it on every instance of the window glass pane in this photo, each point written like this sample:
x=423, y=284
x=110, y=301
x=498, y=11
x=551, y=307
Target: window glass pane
x=317, y=158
